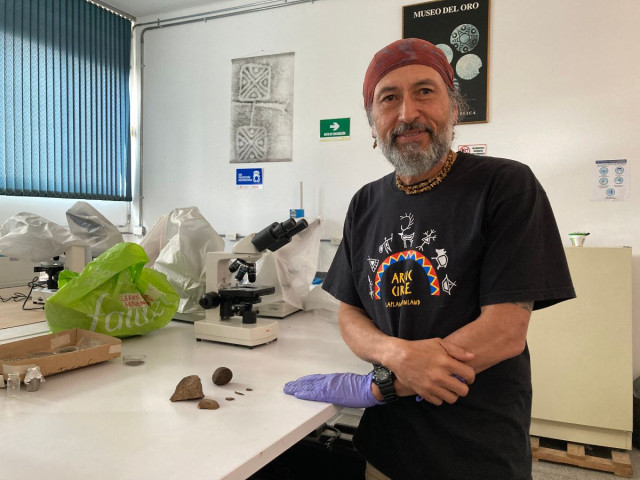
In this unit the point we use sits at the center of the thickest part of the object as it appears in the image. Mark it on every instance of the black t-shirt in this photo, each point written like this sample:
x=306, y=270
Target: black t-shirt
x=421, y=266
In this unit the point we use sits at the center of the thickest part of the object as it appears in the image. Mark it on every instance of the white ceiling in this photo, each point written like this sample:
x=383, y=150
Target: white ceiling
x=143, y=8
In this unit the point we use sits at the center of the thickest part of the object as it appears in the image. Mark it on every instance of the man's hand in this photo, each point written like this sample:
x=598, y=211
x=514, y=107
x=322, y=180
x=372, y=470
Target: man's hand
x=344, y=389
x=422, y=367
x=432, y=369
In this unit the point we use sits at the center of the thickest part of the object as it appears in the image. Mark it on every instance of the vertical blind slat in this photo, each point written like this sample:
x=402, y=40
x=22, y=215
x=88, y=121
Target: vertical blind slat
x=64, y=100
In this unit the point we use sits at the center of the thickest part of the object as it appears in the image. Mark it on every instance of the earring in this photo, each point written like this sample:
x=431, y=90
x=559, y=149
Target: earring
x=375, y=142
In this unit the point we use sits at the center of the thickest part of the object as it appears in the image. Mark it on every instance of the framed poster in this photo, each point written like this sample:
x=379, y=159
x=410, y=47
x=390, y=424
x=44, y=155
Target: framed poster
x=460, y=28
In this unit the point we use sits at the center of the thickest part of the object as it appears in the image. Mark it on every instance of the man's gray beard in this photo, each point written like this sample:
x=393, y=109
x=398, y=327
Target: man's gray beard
x=412, y=160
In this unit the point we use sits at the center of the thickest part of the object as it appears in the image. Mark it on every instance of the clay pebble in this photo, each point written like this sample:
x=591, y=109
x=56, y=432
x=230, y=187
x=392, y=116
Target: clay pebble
x=208, y=404
x=189, y=388
x=222, y=376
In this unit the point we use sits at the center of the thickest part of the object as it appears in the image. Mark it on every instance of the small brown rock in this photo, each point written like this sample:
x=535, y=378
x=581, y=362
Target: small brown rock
x=189, y=388
x=230, y=399
x=222, y=376
x=208, y=404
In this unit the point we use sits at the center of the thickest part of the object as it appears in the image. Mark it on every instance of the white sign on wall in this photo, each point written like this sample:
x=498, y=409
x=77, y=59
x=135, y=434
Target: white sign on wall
x=611, y=180
x=476, y=148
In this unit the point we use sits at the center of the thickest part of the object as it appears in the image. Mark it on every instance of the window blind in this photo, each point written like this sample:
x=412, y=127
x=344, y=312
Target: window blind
x=64, y=100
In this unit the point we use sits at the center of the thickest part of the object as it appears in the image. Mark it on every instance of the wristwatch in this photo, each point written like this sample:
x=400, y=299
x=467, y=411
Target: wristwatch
x=383, y=378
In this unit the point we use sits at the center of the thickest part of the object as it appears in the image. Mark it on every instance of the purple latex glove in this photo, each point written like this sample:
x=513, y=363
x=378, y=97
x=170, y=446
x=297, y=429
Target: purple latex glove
x=343, y=389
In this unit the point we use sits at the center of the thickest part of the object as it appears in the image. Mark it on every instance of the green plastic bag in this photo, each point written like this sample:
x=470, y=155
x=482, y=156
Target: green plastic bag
x=115, y=294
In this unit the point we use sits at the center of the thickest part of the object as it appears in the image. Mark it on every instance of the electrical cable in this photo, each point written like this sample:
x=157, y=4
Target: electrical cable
x=33, y=283
x=328, y=444
x=16, y=297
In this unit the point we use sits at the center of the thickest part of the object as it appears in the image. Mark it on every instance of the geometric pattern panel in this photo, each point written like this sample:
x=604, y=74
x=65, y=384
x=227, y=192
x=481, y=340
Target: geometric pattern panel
x=255, y=83
x=251, y=143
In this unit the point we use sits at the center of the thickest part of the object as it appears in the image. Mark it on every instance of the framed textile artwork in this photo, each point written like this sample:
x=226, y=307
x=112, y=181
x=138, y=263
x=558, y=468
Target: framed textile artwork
x=262, y=109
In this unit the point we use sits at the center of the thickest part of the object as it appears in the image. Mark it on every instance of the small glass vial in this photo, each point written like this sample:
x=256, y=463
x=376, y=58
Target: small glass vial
x=13, y=385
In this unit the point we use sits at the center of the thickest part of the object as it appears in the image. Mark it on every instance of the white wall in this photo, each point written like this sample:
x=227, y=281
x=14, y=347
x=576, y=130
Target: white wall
x=187, y=91
x=564, y=92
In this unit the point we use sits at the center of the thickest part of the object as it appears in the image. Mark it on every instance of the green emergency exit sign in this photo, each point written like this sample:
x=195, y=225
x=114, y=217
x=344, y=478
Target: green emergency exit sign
x=335, y=129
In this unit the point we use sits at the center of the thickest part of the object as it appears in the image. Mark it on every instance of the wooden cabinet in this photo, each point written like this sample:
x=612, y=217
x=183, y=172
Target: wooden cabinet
x=581, y=354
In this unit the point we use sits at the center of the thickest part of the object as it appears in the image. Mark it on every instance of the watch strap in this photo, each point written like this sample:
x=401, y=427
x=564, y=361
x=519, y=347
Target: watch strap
x=386, y=387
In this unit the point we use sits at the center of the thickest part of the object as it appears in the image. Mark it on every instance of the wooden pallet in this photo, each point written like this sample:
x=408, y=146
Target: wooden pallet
x=609, y=460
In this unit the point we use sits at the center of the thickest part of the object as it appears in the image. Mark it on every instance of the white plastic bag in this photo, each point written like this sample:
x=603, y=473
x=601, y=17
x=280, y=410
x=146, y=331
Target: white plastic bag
x=28, y=236
x=177, y=246
x=318, y=299
x=86, y=223
x=292, y=268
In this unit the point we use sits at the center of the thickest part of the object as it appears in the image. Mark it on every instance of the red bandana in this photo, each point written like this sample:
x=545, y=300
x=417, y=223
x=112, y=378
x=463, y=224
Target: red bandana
x=409, y=51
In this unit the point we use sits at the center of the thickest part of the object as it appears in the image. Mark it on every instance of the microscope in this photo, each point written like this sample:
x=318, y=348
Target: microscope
x=52, y=270
x=230, y=316
x=75, y=258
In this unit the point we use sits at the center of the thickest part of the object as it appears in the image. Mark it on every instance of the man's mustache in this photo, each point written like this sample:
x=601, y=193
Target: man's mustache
x=407, y=127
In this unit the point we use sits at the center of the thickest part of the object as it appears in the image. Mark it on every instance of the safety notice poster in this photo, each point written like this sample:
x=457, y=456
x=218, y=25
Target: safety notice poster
x=611, y=180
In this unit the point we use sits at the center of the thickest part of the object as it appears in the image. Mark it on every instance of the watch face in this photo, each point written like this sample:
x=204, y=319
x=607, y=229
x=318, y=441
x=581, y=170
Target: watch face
x=381, y=375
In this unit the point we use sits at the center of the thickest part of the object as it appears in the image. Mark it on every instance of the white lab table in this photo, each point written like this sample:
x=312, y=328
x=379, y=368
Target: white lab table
x=111, y=421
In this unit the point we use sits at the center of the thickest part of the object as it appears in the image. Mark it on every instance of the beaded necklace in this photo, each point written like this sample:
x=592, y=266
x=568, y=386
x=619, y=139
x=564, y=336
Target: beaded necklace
x=429, y=183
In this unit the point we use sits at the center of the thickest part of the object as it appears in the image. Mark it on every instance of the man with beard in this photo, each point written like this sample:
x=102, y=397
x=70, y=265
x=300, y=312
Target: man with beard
x=440, y=266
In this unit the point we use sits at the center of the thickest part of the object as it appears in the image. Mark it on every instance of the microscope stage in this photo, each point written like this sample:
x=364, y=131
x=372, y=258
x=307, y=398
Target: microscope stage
x=235, y=332
x=278, y=309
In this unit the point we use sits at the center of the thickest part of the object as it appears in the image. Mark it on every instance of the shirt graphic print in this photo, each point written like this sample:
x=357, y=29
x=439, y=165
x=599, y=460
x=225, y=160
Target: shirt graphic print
x=404, y=276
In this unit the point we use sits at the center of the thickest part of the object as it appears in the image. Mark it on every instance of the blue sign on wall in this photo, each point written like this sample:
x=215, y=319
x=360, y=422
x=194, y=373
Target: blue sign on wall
x=249, y=177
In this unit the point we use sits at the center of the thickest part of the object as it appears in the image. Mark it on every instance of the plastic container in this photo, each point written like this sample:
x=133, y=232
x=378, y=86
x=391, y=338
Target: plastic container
x=13, y=385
